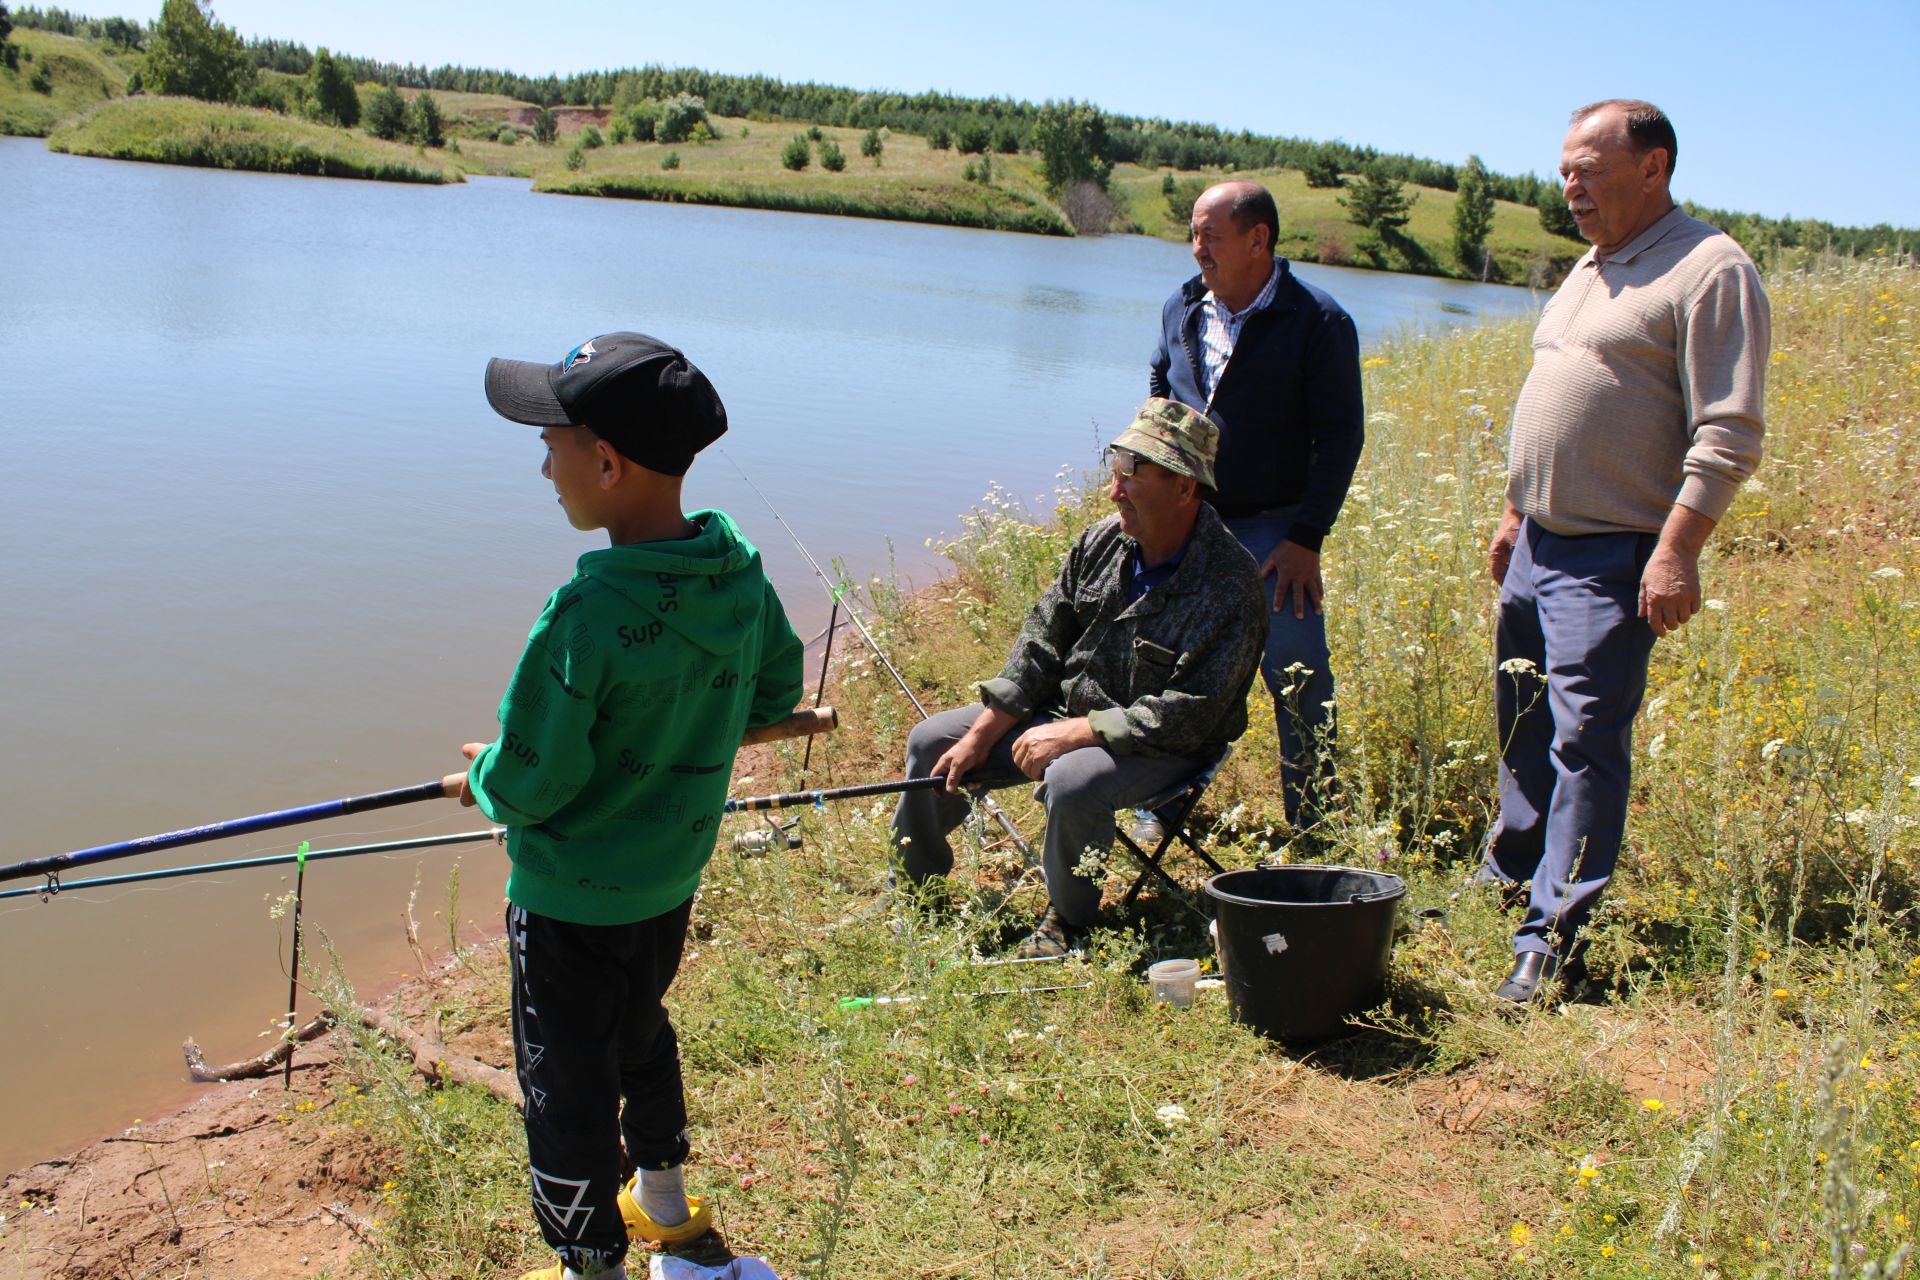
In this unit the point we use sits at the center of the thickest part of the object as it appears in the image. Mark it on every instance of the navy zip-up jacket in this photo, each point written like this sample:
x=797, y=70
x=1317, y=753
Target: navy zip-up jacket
x=1288, y=405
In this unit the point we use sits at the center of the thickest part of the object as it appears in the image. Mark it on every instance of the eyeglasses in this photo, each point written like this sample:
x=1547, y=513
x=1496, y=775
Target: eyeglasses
x=1121, y=462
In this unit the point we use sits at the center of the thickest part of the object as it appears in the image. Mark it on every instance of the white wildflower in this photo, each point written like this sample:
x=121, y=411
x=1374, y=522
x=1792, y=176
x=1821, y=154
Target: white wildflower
x=1657, y=746
x=1718, y=606
x=1772, y=748
x=1172, y=1115
x=1888, y=572
x=1519, y=666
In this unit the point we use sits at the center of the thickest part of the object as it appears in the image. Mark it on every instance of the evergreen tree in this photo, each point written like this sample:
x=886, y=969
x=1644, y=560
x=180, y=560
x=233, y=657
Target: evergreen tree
x=546, y=127
x=190, y=55
x=832, y=158
x=1555, y=218
x=9, y=55
x=1323, y=170
x=1073, y=144
x=871, y=145
x=1378, y=201
x=387, y=114
x=425, y=126
x=973, y=137
x=330, y=93
x=1472, y=215
x=797, y=155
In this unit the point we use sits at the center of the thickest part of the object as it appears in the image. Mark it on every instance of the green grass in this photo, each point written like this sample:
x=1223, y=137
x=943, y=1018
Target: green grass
x=1314, y=227
x=213, y=135
x=84, y=74
x=1742, y=1099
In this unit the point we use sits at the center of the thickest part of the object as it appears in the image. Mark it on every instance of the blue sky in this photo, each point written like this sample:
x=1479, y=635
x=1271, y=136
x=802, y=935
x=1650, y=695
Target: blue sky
x=1781, y=109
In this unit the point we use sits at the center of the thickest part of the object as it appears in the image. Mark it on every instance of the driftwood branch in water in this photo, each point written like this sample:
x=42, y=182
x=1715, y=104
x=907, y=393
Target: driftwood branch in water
x=253, y=1068
x=432, y=1059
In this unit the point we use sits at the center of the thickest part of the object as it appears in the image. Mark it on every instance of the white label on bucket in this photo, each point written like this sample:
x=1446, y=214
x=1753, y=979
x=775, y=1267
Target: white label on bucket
x=1276, y=943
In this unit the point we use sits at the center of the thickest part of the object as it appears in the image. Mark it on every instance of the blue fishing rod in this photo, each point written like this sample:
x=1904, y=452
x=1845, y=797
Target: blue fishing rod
x=744, y=804
x=800, y=723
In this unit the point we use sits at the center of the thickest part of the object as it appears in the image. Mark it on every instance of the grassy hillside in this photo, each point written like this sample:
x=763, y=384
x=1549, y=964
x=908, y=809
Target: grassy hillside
x=83, y=75
x=912, y=183
x=1314, y=227
x=187, y=131
x=1739, y=1097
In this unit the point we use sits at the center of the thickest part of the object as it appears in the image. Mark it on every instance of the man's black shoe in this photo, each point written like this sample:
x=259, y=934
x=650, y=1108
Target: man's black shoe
x=1535, y=973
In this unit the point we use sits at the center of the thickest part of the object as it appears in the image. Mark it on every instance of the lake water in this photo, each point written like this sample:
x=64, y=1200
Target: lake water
x=262, y=543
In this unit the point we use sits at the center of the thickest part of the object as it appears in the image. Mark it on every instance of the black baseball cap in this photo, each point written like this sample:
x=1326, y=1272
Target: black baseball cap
x=640, y=395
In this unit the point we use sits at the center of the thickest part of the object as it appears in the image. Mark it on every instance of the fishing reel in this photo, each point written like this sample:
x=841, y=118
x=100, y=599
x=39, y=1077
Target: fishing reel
x=775, y=835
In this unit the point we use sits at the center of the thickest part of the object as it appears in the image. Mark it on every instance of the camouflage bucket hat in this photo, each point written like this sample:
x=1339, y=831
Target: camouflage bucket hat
x=1177, y=436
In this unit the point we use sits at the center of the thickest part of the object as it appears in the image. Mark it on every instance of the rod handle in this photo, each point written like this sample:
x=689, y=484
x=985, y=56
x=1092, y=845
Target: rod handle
x=801, y=724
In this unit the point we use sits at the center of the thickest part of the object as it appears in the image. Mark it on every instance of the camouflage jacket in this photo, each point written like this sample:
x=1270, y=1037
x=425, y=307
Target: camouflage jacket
x=1164, y=676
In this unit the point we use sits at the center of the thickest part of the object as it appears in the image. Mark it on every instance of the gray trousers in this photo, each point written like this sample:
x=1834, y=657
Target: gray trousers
x=1081, y=790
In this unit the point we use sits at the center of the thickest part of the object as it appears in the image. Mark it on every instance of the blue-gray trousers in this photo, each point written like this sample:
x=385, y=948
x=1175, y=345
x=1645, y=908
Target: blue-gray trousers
x=1568, y=607
x=1081, y=790
x=1302, y=712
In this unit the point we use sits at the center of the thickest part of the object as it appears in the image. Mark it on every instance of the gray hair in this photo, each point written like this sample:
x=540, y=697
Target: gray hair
x=1647, y=126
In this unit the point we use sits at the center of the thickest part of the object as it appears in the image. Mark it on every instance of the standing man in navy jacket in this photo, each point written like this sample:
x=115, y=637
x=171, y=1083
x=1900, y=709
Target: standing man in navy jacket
x=1275, y=363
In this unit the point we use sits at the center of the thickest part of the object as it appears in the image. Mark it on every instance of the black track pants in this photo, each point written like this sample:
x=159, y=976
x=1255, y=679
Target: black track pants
x=589, y=1032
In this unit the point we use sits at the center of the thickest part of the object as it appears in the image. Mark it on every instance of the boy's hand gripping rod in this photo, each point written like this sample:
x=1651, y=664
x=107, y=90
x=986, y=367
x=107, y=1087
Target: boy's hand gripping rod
x=799, y=724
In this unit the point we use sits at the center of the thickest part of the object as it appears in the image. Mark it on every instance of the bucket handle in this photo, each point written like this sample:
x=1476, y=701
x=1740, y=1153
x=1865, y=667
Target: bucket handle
x=1357, y=899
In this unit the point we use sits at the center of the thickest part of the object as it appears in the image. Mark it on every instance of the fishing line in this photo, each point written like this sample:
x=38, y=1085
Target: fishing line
x=835, y=593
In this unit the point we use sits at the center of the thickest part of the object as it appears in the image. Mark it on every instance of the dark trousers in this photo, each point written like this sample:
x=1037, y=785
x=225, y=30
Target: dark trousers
x=1081, y=790
x=589, y=1033
x=1568, y=608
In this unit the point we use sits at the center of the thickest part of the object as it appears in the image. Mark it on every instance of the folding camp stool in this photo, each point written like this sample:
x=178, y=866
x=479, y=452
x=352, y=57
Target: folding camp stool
x=1173, y=807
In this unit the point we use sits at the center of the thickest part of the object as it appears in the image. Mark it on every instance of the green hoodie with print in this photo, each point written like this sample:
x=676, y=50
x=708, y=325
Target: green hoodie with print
x=618, y=732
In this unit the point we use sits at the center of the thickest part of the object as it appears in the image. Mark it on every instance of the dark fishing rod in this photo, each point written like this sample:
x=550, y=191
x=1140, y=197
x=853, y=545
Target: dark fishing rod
x=54, y=864
x=853, y=615
x=817, y=720
x=745, y=804
x=55, y=886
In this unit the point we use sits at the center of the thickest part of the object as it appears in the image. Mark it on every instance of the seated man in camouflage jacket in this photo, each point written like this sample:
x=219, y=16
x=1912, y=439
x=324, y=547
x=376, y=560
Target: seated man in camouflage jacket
x=1130, y=674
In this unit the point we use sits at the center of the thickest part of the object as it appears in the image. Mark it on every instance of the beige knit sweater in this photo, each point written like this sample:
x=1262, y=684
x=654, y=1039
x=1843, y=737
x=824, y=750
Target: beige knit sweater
x=1647, y=386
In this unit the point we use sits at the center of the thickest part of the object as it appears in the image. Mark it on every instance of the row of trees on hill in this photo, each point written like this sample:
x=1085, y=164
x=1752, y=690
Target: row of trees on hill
x=1078, y=143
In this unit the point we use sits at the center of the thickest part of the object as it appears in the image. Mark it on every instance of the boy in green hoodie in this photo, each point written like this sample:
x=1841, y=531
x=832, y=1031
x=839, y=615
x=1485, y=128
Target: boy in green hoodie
x=617, y=738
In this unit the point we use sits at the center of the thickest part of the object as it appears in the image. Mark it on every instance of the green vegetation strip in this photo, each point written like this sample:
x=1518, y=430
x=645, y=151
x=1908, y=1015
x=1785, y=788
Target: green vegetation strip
x=185, y=131
x=946, y=204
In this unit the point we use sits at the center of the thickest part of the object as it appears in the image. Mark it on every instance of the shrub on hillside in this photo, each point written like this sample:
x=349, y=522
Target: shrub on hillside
x=386, y=114
x=871, y=146
x=1006, y=139
x=940, y=139
x=677, y=117
x=832, y=158
x=972, y=137
x=508, y=135
x=424, y=123
x=671, y=160
x=796, y=155
x=576, y=158
x=590, y=138
x=546, y=127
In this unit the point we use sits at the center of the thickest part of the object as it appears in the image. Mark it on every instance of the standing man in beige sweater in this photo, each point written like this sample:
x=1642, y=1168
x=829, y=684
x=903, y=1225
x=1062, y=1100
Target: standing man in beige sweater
x=1639, y=420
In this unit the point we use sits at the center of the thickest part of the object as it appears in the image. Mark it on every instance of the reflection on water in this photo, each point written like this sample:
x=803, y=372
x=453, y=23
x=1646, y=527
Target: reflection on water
x=262, y=543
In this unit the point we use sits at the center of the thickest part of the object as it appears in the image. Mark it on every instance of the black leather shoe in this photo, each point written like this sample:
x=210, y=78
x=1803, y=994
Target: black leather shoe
x=1533, y=974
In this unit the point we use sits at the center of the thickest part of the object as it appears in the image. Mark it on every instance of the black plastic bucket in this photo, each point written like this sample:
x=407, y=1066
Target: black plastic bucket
x=1303, y=948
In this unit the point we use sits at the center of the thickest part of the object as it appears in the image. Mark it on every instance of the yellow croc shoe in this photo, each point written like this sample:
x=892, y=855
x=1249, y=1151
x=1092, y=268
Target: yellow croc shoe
x=558, y=1271
x=642, y=1227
